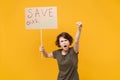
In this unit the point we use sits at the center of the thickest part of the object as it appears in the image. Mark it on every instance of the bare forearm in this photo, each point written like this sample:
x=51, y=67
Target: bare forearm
x=77, y=37
x=45, y=54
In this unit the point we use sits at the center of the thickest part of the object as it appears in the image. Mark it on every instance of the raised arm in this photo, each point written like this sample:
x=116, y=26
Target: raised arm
x=45, y=54
x=77, y=37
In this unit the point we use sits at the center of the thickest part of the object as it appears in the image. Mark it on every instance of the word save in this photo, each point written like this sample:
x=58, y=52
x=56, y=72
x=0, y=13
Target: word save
x=41, y=18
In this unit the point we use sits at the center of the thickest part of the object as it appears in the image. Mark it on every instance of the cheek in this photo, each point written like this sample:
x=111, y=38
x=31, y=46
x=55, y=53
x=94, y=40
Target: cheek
x=68, y=42
x=60, y=44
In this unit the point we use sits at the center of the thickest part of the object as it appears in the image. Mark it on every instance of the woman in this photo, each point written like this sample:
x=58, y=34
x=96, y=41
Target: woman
x=66, y=56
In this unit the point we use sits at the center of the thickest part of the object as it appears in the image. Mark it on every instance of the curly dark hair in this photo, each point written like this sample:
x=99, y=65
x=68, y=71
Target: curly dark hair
x=66, y=36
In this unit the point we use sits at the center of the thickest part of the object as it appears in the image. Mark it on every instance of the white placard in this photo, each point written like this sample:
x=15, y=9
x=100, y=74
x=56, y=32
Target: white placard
x=41, y=18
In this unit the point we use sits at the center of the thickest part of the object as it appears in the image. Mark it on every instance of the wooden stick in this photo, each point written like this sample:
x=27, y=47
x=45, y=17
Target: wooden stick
x=41, y=41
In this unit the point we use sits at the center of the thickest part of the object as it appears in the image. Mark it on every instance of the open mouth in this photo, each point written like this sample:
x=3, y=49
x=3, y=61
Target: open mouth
x=65, y=45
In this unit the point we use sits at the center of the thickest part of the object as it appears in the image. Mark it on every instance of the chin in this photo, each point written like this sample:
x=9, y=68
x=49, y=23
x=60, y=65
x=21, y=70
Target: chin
x=66, y=49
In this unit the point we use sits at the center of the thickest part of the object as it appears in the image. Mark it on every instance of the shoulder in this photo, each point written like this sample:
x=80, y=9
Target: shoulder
x=72, y=50
x=56, y=53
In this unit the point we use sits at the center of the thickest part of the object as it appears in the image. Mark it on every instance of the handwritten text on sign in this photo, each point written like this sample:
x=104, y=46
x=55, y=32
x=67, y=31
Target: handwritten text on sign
x=41, y=18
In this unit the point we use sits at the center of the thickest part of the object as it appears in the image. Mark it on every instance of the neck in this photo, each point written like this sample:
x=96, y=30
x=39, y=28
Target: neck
x=64, y=52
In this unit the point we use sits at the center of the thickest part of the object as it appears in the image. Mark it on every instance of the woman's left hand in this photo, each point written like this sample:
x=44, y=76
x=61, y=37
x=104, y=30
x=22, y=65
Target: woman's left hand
x=79, y=24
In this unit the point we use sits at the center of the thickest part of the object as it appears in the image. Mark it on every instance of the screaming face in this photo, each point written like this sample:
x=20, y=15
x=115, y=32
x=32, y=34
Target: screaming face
x=64, y=43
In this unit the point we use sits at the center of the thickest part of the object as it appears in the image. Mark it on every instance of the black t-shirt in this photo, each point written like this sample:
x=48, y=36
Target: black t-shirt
x=68, y=64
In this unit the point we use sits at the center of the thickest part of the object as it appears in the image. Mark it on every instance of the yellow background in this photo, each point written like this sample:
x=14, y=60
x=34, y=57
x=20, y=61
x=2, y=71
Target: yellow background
x=99, y=57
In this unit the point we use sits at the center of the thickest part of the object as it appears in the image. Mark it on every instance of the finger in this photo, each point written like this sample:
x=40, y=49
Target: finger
x=79, y=23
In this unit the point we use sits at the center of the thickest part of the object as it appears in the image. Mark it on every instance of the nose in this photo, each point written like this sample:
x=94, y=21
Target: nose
x=64, y=42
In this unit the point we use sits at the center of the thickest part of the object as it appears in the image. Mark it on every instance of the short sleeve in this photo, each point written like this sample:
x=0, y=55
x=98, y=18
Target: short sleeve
x=74, y=51
x=54, y=54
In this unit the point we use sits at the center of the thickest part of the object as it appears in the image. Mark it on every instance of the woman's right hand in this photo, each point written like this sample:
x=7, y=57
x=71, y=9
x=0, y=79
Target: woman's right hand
x=41, y=49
